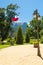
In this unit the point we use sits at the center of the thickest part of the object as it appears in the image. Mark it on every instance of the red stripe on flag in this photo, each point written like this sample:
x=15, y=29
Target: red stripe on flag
x=14, y=19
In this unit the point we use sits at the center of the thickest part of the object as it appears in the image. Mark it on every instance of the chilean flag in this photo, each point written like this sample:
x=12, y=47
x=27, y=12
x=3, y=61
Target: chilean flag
x=14, y=19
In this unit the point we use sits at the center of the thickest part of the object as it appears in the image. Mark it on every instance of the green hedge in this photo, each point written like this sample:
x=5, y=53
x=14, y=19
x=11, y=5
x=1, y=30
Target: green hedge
x=41, y=39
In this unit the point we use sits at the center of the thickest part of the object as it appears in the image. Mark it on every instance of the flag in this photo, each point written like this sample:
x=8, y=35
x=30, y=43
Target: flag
x=14, y=19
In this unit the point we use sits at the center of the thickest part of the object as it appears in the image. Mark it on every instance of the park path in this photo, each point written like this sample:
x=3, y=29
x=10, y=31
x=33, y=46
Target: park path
x=20, y=55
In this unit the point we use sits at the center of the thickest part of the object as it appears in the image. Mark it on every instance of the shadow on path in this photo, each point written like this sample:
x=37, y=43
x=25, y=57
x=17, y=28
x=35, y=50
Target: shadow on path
x=41, y=57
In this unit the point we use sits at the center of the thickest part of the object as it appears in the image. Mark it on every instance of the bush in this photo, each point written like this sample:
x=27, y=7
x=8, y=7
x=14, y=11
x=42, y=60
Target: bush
x=27, y=38
x=41, y=39
x=19, y=37
x=12, y=41
x=32, y=41
x=0, y=41
x=8, y=41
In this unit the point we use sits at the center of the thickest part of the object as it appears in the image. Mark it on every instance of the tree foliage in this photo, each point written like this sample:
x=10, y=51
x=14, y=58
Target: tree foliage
x=33, y=25
x=11, y=11
x=5, y=19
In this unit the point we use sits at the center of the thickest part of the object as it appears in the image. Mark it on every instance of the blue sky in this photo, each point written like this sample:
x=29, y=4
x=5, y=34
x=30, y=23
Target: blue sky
x=26, y=9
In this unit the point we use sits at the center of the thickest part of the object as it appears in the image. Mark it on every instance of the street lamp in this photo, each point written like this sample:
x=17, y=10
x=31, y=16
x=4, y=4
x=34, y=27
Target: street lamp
x=37, y=17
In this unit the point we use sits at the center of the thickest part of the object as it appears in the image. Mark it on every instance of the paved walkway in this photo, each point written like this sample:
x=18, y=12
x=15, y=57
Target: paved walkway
x=20, y=55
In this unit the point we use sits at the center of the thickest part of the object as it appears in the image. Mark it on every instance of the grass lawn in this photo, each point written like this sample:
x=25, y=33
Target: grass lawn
x=7, y=45
x=4, y=46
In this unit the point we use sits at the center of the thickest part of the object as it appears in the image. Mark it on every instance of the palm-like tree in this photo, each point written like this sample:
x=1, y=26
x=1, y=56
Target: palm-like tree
x=36, y=15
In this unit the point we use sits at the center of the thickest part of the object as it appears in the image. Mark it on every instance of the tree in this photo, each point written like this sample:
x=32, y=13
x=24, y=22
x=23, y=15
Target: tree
x=11, y=11
x=2, y=22
x=19, y=38
x=37, y=17
x=5, y=21
x=27, y=39
x=41, y=32
x=42, y=23
x=41, y=35
x=33, y=26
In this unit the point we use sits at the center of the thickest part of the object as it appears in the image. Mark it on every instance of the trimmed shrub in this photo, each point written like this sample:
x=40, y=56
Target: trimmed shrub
x=19, y=37
x=41, y=39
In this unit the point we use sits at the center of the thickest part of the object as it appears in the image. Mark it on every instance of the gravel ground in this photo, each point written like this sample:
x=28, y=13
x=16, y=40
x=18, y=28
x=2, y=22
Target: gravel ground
x=21, y=55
